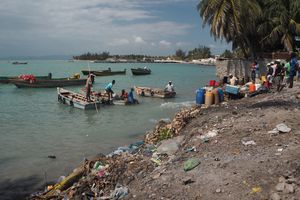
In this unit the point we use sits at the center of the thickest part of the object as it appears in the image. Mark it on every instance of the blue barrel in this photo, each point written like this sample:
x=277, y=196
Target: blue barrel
x=200, y=96
x=221, y=94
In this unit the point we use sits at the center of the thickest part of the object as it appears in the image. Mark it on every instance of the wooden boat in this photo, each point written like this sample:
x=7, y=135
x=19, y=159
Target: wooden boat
x=19, y=63
x=103, y=96
x=9, y=79
x=103, y=72
x=153, y=92
x=140, y=71
x=76, y=100
x=56, y=82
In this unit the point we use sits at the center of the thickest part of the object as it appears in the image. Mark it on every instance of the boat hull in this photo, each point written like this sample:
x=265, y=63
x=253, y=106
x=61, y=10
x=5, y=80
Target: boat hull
x=76, y=100
x=10, y=79
x=103, y=73
x=140, y=71
x=49, y=83
x=153, y=92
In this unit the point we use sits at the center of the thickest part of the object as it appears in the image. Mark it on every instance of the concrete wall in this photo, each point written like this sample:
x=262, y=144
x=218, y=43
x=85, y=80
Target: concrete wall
x=238, y=68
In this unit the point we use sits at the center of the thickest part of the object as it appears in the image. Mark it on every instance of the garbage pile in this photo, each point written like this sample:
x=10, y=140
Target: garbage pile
x=103, y=177
x=168, y=130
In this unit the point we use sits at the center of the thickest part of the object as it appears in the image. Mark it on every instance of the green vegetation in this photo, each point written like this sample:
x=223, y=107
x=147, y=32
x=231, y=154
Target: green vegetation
x=197, y=53
x=164, y=134
x=253, y=26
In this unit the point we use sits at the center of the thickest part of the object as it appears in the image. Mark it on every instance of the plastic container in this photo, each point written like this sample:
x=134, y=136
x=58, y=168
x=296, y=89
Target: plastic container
x=252, y=88
x=200, y=96
x=209, y=98
x=216, y=96
x=221, y=94
x=212, y=83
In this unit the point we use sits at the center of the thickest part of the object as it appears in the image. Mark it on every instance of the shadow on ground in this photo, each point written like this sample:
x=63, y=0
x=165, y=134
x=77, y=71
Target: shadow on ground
x=19, y=188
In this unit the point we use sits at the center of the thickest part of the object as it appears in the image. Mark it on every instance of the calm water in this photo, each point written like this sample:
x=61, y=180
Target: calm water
x=34, y=125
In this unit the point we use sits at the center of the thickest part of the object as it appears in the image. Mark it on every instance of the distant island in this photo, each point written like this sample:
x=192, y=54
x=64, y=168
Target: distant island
x=201, y=55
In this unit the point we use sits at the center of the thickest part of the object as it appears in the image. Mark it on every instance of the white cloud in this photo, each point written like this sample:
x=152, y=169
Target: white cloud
x=138, y=40
x=68, y=26
x=164, y=43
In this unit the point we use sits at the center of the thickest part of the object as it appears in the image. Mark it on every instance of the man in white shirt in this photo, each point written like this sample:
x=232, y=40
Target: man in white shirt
x=169, y=87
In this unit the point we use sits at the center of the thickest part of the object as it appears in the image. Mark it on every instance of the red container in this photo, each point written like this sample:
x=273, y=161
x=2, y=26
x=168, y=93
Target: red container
x=212, y=83
x=217, y=84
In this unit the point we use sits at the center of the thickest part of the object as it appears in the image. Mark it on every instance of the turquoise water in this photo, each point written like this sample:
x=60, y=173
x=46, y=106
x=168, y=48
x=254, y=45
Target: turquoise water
x=34, y=125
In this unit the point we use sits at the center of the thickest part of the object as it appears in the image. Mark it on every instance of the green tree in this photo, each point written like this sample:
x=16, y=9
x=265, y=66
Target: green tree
x=231, y=20
x=227, y=54
x=199, y=53
x=282, y=17
x=180, y=54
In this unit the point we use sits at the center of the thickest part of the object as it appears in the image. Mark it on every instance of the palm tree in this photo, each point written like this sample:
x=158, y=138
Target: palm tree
x=283, y=19
x=231, y=20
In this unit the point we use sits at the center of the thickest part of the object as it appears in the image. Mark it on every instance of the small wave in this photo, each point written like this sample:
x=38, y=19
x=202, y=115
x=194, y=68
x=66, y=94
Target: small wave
x=177, y=105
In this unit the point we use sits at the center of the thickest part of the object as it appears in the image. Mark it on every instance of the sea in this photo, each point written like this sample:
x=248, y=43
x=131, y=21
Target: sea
x=34, y=125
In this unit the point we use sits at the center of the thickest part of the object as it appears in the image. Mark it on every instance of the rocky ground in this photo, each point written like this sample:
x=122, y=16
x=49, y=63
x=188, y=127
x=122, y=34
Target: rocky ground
x=239, y=154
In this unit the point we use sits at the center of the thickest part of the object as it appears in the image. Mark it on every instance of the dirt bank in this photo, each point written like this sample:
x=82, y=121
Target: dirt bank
x=241, y=156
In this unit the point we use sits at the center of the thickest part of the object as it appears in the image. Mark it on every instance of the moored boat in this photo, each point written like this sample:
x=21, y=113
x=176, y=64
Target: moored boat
x=76, y=100
x=56, y=82
x=19, y=63
x=9, y=79
x=140, y=71
x=154, y=92
x=103, y=72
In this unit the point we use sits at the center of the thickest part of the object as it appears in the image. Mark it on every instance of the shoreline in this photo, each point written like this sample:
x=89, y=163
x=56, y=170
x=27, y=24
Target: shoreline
x=140, y=171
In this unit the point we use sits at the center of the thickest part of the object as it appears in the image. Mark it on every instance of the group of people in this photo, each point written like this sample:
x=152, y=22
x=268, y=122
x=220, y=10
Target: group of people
x=278, y=74
x=128, y=97
x=281, y=74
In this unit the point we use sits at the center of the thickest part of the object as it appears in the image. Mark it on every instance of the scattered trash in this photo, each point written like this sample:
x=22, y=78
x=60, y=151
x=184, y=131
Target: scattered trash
x=274, y=131
x=191, y=164
x=280, y=149
x=119, y=192
x=210, y=134
x=283, y=128
x=191, y=149
x=156, y=161
x=205, y=140
x=256, y=190
x=187, y=180
x=280, y=128
x=218, y=190
x=170, y=146
x=250, y=142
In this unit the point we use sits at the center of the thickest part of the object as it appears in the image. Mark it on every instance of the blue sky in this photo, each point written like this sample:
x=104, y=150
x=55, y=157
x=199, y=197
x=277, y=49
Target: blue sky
x=72, y=27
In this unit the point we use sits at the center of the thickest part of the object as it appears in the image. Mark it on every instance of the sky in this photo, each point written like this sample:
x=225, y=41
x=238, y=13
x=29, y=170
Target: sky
x=73, y=27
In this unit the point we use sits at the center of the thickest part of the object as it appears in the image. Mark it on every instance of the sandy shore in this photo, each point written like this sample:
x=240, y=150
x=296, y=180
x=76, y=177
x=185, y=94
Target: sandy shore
x=235, y=148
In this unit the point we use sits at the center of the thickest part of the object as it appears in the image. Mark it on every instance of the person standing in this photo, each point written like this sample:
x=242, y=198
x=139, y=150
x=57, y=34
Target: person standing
x=109, y=90
x=88, y=87
x=293, y=68
x=253, y=71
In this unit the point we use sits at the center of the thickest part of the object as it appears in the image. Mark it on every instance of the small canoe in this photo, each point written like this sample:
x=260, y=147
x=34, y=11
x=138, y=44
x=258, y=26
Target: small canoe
x=9, y=79
x=56, y=82
x=140, y=71
x=103, y=72
x=19, y=63
x=153, y=92
x=76, y=100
